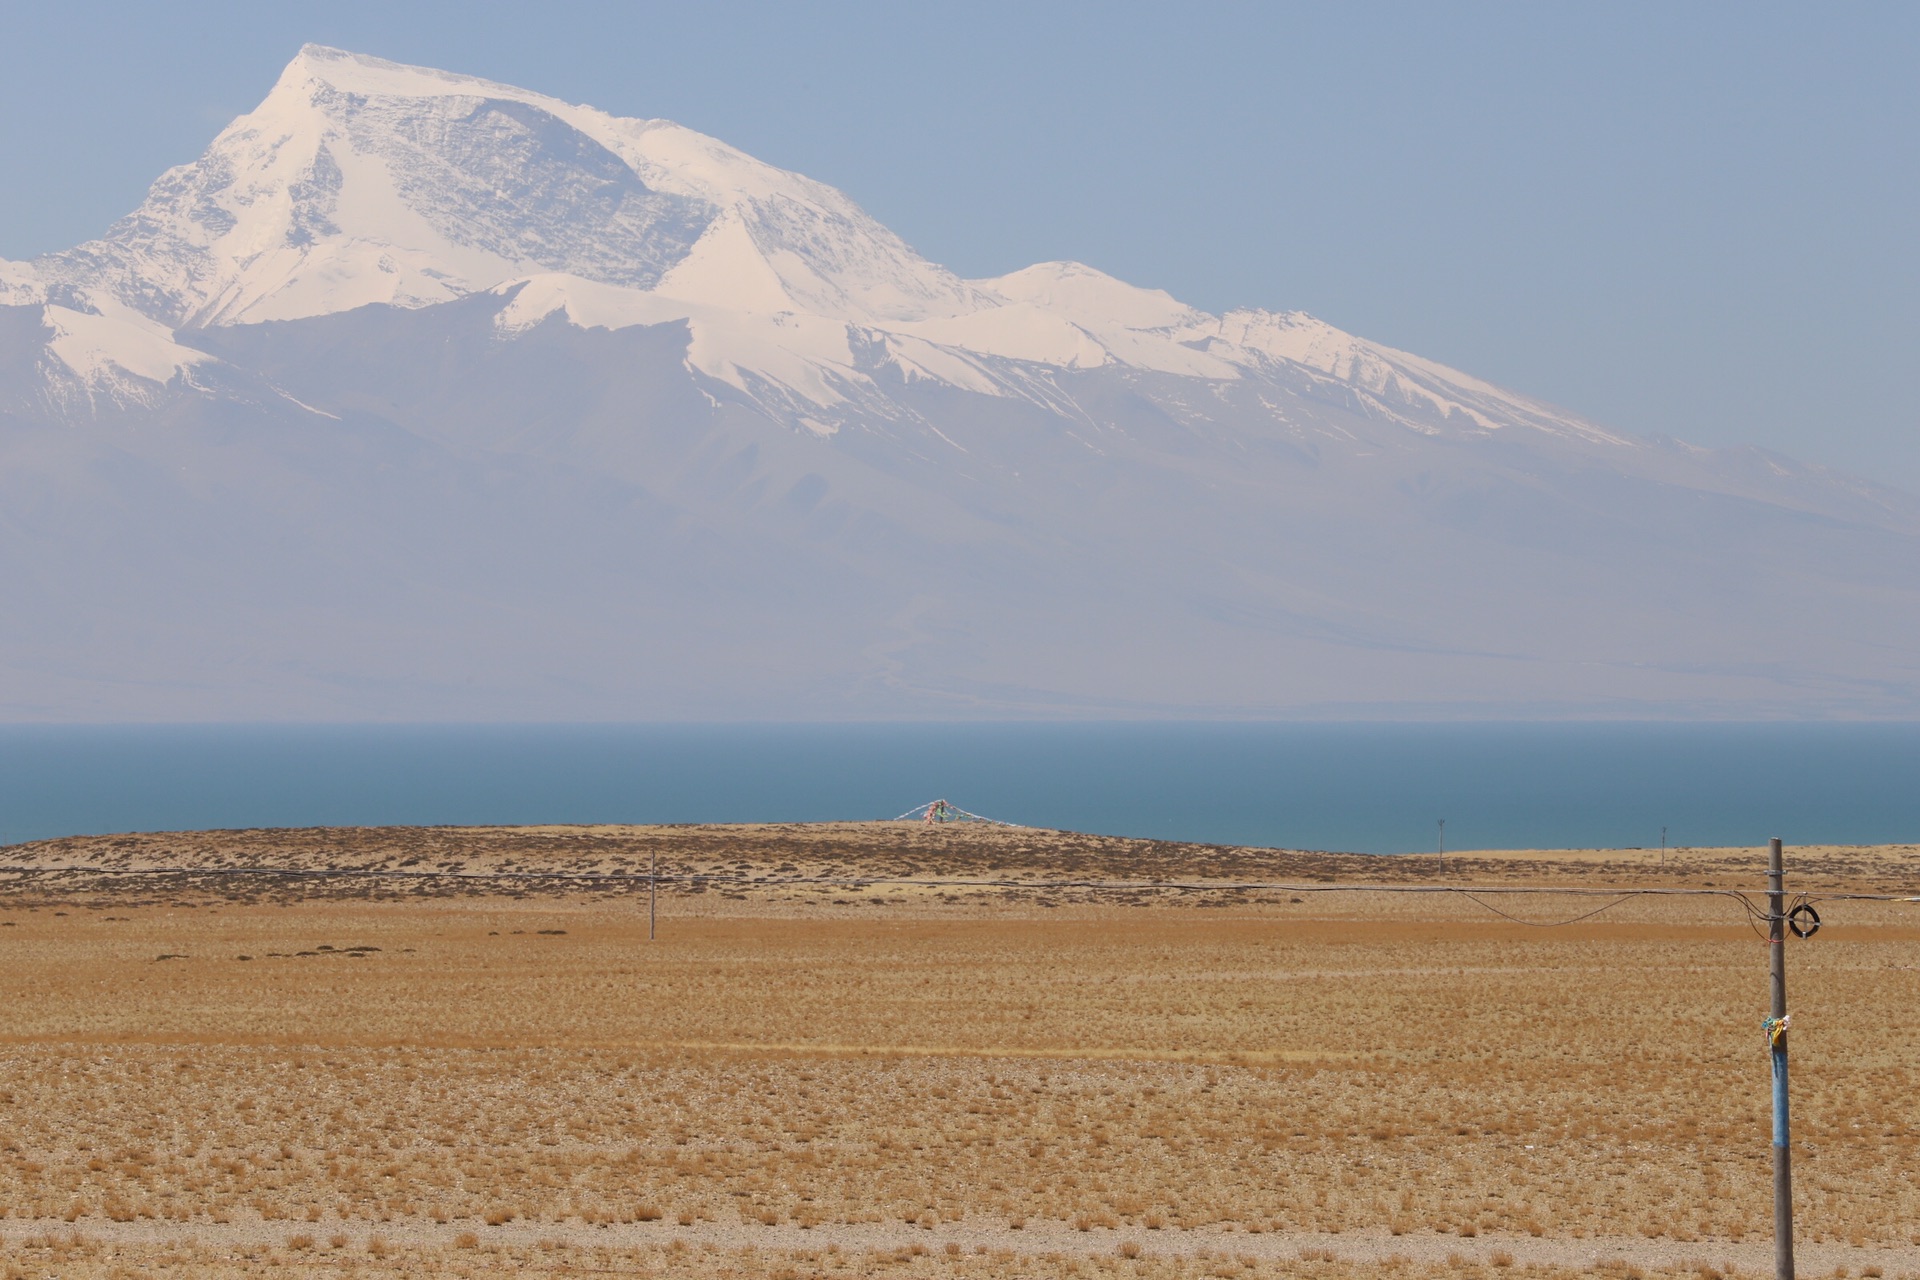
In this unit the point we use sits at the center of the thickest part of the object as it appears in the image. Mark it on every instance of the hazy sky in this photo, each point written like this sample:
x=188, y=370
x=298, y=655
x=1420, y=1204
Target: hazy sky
x=1696, y=220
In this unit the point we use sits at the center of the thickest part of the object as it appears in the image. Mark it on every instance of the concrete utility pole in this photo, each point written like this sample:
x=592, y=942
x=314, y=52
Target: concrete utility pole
x=653, y=887
x=1777, y=1040
x=1443, y=839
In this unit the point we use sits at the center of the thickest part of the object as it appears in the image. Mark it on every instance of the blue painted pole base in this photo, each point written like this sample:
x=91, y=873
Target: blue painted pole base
x=1780, y=1126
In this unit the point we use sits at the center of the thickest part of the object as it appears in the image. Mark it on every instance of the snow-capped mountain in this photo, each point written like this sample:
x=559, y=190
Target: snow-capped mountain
x=423, y=395
x=363, y=182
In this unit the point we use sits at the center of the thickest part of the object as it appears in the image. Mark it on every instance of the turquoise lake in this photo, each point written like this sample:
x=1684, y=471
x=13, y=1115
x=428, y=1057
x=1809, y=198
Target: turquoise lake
x=1379, y=788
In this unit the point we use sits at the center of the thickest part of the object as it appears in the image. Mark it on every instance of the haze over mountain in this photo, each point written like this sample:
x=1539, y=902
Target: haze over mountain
x=423, y=397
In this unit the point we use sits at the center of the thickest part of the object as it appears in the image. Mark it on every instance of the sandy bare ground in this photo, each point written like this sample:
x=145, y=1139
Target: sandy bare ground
x=1365, y=1245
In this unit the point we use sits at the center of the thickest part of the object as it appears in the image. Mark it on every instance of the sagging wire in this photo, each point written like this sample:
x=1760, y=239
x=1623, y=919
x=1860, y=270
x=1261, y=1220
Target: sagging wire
x=1545, y=924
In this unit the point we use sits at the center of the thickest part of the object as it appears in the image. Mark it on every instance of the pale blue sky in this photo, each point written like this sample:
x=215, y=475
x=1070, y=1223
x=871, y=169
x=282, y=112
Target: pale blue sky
x=1697, y=220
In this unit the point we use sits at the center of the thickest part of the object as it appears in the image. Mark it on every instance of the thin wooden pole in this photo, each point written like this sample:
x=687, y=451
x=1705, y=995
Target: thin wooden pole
x=1777, y=1041
x=653, y=887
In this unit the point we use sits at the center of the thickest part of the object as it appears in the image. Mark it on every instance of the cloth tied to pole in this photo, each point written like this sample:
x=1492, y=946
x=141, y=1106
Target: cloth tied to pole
x=1776, y=1028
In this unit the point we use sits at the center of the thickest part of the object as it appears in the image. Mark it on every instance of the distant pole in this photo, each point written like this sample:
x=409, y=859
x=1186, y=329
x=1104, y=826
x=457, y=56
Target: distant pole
x=1443, y=839
x=653, y=887
x=1777, y=1040
x=1663, y=846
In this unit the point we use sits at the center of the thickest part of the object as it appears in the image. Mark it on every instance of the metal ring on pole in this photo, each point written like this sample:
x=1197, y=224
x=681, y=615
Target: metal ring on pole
x=1811, y=924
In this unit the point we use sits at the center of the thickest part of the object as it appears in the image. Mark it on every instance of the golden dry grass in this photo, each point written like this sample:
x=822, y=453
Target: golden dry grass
x=476, y=1081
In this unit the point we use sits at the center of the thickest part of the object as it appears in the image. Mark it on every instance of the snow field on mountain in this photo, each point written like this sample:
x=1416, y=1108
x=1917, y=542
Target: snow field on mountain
x=96, y=346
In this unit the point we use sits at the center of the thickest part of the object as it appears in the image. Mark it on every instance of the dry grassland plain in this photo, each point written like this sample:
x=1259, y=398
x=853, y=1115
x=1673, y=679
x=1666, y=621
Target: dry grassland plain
x=480, y=1069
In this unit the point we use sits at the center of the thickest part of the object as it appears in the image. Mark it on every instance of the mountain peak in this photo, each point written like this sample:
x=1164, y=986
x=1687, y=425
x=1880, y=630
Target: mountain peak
x=359, y=180
x=363, y=73
x=1093, y=298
